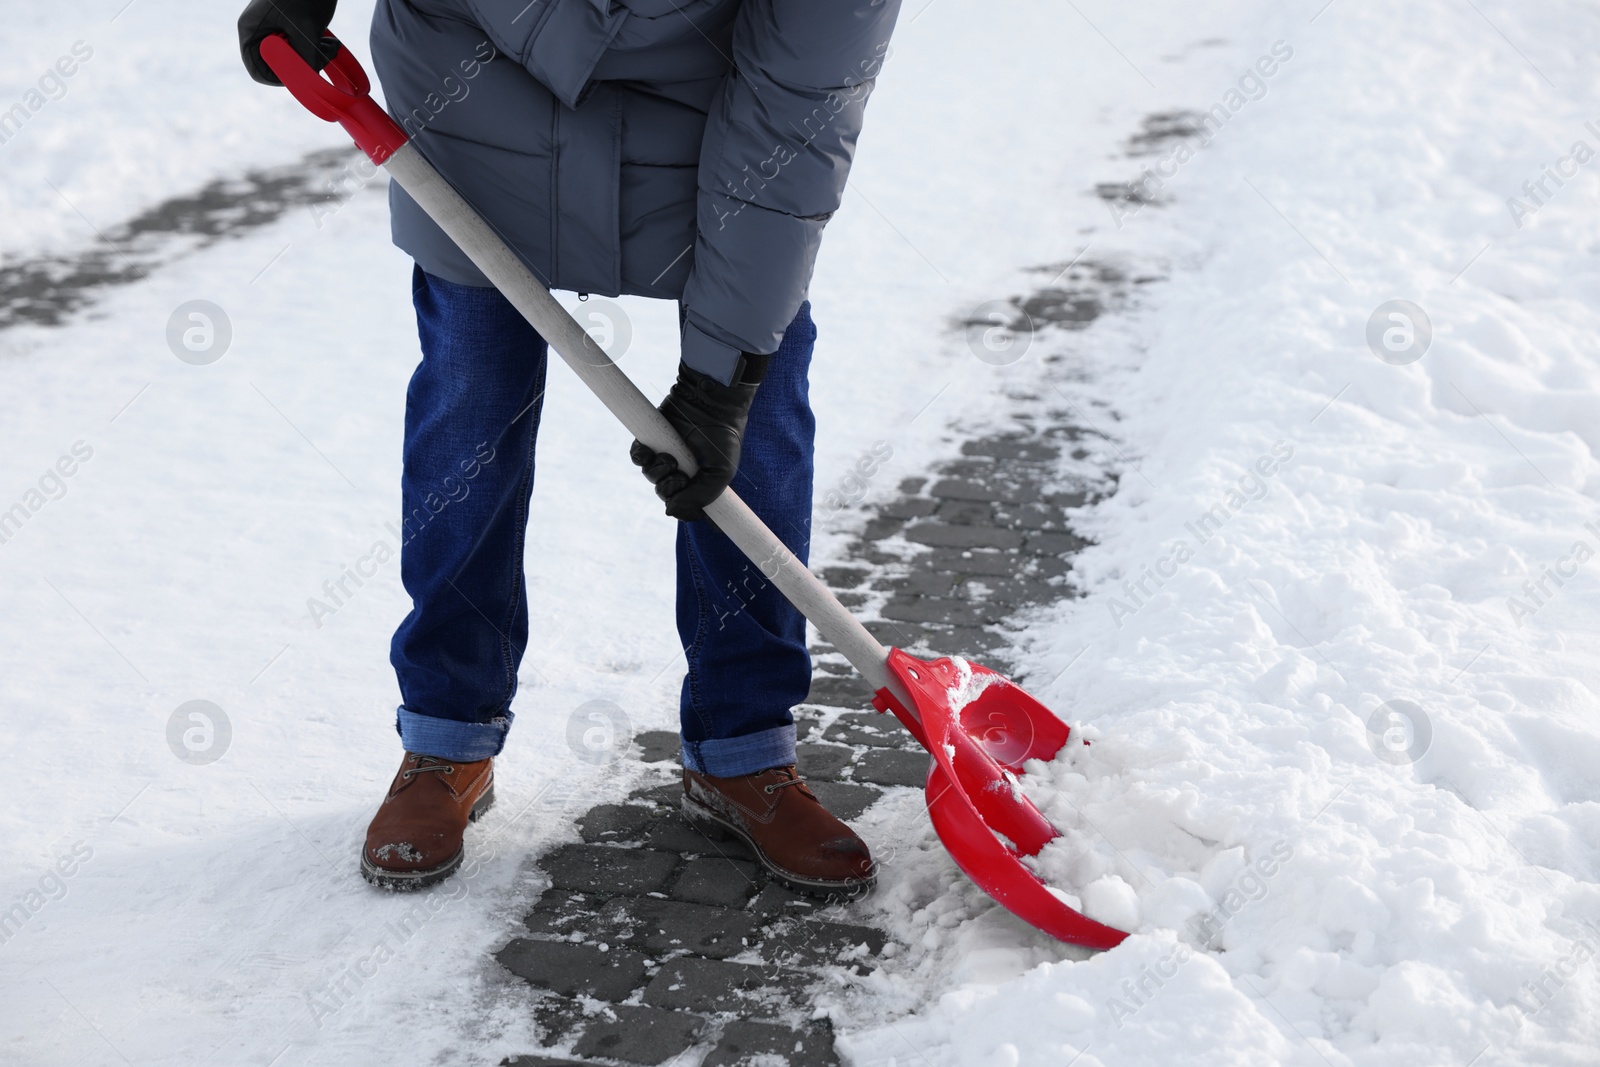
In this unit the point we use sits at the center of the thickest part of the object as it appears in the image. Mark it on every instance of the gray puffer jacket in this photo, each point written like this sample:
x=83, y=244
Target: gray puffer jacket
x=685, y=149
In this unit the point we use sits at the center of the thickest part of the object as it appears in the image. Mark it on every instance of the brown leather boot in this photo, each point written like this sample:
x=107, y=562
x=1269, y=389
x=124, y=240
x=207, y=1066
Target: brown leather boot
x=415, y=839
x=792, y=835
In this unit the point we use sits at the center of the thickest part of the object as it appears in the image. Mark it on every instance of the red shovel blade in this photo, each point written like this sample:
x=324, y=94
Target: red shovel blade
x=980, y=729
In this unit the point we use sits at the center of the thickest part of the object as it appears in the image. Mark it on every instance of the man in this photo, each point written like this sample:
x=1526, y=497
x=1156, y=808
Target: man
x=690, y=150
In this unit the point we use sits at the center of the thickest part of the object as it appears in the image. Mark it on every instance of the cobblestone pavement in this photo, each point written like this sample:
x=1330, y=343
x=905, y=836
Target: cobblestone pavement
x=653, y=939
x=46, y=290
x=655, y=944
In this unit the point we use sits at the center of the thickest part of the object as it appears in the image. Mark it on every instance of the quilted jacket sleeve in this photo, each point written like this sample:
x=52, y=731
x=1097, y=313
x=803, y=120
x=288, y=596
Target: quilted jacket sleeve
x=777, y=150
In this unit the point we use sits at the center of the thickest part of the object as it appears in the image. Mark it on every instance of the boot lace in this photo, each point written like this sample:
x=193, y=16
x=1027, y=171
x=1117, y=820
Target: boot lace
x=424, y=764
x=791, y=779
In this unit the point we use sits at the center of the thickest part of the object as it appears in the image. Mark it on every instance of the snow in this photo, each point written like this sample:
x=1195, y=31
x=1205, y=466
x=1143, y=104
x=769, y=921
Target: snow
x=157, y=107
x=1307, y=882
x=1360, y=909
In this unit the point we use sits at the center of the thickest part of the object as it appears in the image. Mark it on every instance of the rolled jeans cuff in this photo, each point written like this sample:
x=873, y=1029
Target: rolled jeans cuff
x=731, y=757
x=465, y=742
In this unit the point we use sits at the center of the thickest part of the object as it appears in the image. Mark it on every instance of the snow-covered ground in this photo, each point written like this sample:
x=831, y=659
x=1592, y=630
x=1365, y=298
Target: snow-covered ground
x=1344, y=782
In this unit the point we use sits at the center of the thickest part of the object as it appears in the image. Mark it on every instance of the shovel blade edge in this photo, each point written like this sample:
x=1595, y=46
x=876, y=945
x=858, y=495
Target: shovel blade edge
x=980, y=729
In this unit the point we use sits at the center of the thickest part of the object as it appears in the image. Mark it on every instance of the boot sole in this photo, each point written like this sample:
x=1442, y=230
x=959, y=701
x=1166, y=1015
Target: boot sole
x=714, y=825
x=407, y=881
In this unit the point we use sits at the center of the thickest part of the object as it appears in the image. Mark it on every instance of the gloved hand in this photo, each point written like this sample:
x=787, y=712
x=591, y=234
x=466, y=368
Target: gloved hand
x=711, y=418
x=302, y=21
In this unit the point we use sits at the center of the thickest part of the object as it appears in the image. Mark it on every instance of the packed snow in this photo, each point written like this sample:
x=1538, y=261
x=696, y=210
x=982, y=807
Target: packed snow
x=1335, y=649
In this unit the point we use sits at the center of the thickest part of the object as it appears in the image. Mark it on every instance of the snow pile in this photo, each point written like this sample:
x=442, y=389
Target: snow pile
x=1343, y=783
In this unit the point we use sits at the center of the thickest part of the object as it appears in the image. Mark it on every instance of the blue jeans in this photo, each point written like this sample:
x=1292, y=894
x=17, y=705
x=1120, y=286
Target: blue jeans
x=472, y=417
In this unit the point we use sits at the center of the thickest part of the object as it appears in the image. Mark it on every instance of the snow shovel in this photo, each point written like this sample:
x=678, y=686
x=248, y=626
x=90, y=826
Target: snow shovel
x=978, y=726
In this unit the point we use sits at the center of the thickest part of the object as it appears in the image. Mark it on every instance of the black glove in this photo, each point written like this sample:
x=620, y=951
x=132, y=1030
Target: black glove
x=710, y=417
x=302, y=21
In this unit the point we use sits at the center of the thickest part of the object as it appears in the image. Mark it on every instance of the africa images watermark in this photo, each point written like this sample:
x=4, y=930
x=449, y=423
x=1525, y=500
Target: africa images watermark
x=51, y=485
x=337, y=590
x=852, y=486
x=360, y=171
x=561, y=799
x=1563, y=170
x=455, y=90
x=1251, y=86
x=52, y=885
x=856, y=87
x=1252, y=486
x=1542, y=990
x=52, y=85
x=336, y=993
x=1247, y=887
x=1538, y=591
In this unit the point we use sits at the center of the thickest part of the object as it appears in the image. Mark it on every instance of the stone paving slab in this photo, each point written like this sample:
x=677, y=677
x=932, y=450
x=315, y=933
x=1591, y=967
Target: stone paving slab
x=746, y=1043
x=911, y=508
x=968, y=562
x=965, y=512
x=926, y=583
x=668, y=794
x=752, y=991
x=847, y=800
x=658, y=745
x=823, y=761
x=604, y=868
x=838, y=691
x=664, y=927
x=640, y=1034
x=809, y=942
x=718, y=881
x=612, y=822
x=561, y=913
x=1010, y=448
x=1047, y=543
x=839, y=578
x=949, y=535
x=573, y=969
x=866, y=728
x=890, y=766
x=949, y=610
x=776, y=901
x=880, y=527
x=963, y=489
x=673, y=833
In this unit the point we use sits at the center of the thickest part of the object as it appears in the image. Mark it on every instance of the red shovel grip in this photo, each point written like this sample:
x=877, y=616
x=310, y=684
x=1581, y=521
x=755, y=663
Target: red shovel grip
x=342, y=97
